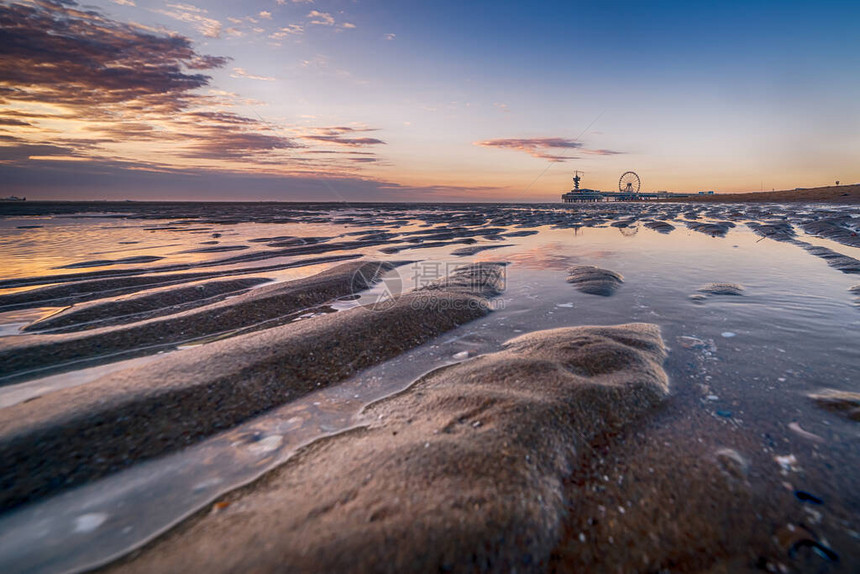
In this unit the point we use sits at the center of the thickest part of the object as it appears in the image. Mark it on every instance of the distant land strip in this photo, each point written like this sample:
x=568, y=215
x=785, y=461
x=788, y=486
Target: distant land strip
x=830, y=194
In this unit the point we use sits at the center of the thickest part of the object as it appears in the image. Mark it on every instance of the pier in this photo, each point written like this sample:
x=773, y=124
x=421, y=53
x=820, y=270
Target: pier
x=589, y=195
x=628, y=190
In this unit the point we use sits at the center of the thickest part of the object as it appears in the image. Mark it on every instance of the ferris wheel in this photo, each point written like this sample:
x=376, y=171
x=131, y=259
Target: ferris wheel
x=629, y=182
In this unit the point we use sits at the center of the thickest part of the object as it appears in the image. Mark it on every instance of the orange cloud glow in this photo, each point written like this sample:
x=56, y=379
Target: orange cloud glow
x=76, y=85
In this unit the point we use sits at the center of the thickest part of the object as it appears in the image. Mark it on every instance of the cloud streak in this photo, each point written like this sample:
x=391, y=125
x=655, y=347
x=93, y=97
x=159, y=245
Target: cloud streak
x=139, y=95
x=343, y=135
x=209, y=27
x=544, y=148
x=241, y=73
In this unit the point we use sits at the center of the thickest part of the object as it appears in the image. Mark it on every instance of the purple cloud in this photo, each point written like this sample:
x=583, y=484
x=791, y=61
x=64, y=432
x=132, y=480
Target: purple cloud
x=543, y=147
x=126, y=84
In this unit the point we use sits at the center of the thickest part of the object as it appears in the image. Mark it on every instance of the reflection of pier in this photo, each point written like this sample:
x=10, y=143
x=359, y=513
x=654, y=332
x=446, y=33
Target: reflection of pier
x=577, y=196
x=628, y=190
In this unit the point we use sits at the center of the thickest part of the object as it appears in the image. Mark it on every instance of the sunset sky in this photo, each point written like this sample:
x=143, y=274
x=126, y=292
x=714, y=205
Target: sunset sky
x=407, y=100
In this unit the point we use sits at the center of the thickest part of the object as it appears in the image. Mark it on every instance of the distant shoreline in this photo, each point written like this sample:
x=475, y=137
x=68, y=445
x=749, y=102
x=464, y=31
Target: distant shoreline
x=843, y=194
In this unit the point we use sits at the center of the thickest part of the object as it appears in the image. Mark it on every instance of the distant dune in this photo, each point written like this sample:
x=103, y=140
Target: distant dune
x=830, y=194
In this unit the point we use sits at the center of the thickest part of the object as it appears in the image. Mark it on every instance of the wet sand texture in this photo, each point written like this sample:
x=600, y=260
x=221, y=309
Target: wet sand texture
x=463, y=471
x=218, y=249
x=83, y=289
x=844, y=263
x=109, y=262
x=594, y=280
x=464, y=251
x=35, y=355
x=661, y=226
x=783, y=231
x=844, y=402
x=715, y=229
x=295, y=251
x=411, y=245
x=78, y=434
x=486, y=279
x=836, y=228
x=778, y=231
x=722, y=289
x=144, y=306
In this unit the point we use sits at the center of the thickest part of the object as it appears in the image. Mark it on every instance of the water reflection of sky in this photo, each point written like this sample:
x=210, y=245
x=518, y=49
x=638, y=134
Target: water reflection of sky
x=62, y=241
x=794, y=329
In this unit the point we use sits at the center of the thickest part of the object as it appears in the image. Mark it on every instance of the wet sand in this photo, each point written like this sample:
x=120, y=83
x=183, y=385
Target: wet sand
x=566, y=449
x=463, y=471
x=143, y=306
x=78, y=434
x=34, y=355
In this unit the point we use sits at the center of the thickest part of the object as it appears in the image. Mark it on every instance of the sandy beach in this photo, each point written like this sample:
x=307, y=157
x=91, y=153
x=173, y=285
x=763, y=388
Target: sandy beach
x=370, y=388
x=838, y=194
x=317, y=286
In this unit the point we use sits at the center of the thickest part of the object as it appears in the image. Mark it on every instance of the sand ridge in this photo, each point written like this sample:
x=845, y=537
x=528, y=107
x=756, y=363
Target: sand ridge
x=26, y=353
x=77, y=434
x=463, y=471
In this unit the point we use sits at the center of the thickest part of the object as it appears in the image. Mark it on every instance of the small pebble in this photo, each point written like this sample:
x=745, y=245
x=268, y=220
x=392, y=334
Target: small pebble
x=727, y=334
x=788, y=462
x=219, y=506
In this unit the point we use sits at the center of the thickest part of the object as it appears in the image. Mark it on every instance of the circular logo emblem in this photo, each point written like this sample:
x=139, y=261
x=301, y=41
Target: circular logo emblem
x=376, y=292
